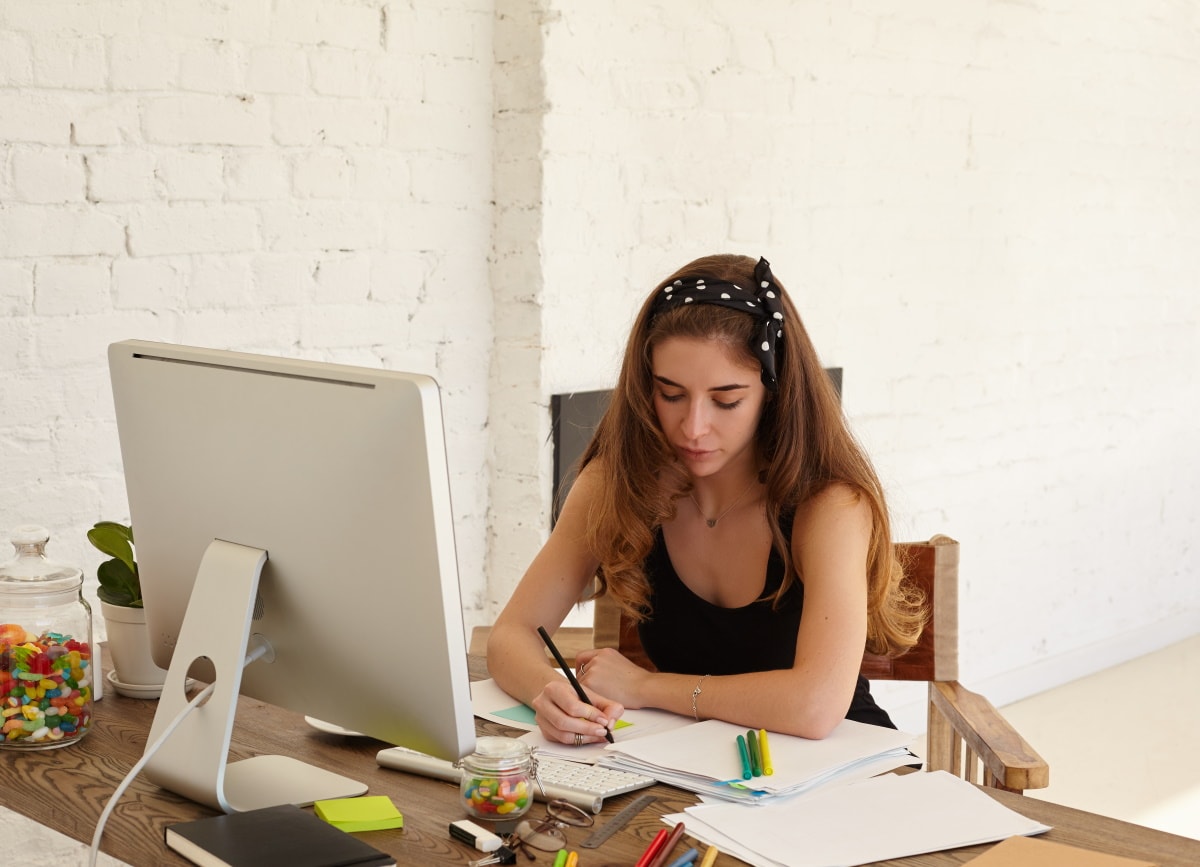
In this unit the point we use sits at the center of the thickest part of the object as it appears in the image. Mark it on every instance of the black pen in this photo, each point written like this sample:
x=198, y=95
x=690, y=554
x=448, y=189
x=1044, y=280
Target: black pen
x=566, y=669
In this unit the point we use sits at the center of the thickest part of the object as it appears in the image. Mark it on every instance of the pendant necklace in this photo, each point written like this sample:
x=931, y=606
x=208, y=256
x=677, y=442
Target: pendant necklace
x=712, y=522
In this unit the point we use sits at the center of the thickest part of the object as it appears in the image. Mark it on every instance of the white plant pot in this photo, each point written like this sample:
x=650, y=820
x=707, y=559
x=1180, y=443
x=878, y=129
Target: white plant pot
x=129, y=646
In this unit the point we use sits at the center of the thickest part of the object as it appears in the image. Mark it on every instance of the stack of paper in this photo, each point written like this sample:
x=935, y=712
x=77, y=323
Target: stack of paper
x=704, y=758
x=892, y=816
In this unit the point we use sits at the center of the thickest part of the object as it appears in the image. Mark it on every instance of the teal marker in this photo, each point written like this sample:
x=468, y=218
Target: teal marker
x=747, y=773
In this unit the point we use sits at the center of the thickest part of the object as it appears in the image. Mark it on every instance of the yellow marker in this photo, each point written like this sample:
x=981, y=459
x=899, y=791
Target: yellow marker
x=573, y=859
x=710, y=856
x=765, y=749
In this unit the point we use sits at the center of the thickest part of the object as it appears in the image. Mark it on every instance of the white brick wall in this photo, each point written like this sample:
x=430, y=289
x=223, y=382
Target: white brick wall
x=986, y=213
x=239, y=176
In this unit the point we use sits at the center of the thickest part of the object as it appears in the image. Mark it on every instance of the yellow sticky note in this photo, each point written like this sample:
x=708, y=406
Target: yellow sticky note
x=369, y=813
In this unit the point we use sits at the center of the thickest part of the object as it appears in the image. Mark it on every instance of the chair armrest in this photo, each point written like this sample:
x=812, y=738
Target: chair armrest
x=957, y=717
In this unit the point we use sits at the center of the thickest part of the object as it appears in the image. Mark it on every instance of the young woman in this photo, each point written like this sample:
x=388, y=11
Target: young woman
x=724, y=504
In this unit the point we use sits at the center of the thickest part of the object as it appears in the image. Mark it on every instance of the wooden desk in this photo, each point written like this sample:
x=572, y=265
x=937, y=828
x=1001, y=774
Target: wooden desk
x=67, y=789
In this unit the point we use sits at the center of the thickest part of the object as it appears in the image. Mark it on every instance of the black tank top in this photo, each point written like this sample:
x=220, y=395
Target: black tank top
x=688, y=635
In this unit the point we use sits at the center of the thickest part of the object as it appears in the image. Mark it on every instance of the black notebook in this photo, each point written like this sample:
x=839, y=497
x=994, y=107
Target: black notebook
x=283, y=836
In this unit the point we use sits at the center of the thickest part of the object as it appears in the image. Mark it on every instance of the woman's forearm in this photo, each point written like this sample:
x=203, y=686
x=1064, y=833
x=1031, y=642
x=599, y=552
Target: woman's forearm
x=517, y=661
x=782, y=701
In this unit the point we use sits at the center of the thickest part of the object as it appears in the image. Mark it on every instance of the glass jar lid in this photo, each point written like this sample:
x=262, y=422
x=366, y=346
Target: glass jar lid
x=499, y=754
x=31, y=571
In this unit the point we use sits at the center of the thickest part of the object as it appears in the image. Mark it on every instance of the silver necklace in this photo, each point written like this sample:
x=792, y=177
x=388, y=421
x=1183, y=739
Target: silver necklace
x=712, y=522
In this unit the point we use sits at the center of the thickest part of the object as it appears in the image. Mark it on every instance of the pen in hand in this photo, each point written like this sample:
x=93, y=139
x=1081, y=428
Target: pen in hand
x=566, y=669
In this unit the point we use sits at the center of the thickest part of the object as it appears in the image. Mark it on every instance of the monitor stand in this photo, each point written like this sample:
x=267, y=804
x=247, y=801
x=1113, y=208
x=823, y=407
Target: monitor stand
x=193, y=761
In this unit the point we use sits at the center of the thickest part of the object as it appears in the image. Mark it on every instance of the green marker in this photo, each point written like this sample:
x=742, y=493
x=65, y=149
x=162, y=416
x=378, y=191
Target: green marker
x=747, y=773
x=756, y=762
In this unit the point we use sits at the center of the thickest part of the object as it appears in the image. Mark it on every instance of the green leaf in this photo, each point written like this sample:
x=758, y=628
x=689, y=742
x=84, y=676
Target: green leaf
x=115, y=540
x=119, y=584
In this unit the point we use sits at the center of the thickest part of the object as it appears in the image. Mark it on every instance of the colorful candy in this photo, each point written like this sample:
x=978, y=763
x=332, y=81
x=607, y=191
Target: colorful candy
x=45, y=688
x=490, y=797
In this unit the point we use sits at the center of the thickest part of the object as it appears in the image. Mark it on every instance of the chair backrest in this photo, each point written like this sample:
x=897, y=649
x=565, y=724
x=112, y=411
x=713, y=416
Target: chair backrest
x=931, y=566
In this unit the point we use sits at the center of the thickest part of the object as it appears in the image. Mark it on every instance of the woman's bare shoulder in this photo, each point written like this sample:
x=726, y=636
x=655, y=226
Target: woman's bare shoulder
x=838, y=507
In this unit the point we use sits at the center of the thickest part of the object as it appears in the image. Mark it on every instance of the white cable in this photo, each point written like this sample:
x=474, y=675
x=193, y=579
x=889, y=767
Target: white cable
x=257, y=653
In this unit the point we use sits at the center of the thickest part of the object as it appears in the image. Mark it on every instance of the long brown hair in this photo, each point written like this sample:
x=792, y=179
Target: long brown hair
x=803, y=441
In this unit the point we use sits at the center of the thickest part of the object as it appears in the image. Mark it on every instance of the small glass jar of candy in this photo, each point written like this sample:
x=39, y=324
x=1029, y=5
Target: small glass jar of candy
x=46, y=673
x=497, y=779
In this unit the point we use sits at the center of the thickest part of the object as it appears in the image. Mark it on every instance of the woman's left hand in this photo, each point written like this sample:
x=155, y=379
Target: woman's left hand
x=607, y=672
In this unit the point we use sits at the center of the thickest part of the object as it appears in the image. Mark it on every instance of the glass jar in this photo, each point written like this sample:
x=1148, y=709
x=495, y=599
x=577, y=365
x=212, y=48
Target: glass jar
x=45, y=648
x=497, y=779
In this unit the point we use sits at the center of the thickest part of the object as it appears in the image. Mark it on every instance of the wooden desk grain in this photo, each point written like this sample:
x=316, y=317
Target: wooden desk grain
x=67, y=789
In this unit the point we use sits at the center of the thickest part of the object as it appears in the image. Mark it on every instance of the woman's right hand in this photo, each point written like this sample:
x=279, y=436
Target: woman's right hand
x=562, y=717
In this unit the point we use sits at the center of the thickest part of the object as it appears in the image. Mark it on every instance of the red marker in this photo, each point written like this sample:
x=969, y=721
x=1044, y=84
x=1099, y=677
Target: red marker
x=652, y=849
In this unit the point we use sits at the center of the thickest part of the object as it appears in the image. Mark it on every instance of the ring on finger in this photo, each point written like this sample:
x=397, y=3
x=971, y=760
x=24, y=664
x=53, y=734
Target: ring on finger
x=578, y=739
x=582, y=666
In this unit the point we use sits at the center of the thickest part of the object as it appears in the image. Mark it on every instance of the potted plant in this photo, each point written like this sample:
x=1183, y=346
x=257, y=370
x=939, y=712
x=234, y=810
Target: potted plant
x=124, y=618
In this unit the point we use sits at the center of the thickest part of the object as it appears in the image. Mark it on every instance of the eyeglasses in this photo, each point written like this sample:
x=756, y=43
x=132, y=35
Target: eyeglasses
x=547, y=834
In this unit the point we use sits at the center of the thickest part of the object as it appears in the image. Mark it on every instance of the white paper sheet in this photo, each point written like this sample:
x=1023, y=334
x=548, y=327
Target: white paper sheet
x=891, y=816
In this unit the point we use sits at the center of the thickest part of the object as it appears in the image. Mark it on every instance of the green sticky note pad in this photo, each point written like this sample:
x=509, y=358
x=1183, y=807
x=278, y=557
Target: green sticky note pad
x=369, y=813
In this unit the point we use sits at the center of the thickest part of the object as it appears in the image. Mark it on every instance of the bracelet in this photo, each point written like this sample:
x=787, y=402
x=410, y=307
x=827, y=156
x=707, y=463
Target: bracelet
x=696, y=694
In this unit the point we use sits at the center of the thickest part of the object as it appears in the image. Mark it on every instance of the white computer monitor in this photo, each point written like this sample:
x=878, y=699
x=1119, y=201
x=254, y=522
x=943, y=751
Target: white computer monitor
x=303, y=507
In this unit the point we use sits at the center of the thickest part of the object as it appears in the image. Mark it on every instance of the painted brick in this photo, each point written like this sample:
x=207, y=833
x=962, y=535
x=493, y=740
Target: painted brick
x=283, y=279
x=220, y=283
x=320, y=225
x=327, y=121
x=33, y=117
x=213, y=67
x=16, y=60
x=137, y=63
x=322, y=174
x=52, y=230
x=257, y=175
x=122, y=176
x=156, y=230
x=383, y=175
x=192, y=175
x=247, y=21
x=63, y=288
x=16, y=288
x=312, y=22
x=343, y=279
x=277, y=69
x=48, y=176
x=204, y=119
x=340, y=72
x=87, y=18
x=79, y=63
x=149, y=284
x=103, y=120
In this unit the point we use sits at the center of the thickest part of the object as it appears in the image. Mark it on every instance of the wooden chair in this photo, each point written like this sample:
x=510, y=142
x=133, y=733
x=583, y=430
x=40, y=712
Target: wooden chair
x=966, y=735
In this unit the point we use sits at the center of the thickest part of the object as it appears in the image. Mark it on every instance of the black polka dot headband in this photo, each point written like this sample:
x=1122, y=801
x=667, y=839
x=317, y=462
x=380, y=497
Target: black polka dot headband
x=763, y=303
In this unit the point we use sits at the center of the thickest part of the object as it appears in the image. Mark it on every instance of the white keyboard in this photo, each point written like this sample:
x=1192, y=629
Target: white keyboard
x=583, y=785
